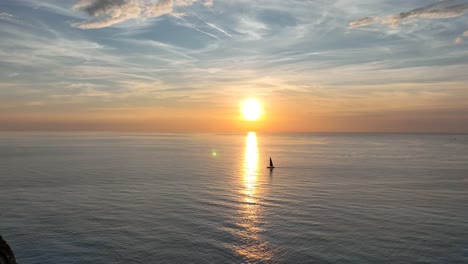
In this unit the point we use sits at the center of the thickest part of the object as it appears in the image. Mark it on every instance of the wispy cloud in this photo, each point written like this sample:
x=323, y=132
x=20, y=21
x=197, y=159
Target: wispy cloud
x=439, y=10
x=110, y=12
x=208, y=3
x=460, y=39
x=364, y=22
x=211, y=25
x=5, y=16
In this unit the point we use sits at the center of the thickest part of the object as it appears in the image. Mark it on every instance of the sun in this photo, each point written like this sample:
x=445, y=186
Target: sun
x=251, y=109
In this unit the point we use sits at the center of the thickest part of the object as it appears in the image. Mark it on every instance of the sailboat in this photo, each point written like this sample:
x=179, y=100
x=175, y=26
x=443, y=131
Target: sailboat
x=271, y=165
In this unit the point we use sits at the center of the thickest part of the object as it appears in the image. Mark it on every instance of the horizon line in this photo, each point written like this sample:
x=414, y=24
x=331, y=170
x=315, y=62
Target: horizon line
x=232, y=132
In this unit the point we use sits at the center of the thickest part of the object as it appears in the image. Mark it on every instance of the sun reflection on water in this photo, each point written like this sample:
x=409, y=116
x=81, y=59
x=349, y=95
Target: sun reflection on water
x=250, y=167
x=253, y=248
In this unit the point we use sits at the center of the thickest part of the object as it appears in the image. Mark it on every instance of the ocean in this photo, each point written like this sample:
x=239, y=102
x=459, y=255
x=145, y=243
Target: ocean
x=209, y=198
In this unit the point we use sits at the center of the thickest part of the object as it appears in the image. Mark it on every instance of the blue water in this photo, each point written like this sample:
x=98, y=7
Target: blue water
x=208, y=198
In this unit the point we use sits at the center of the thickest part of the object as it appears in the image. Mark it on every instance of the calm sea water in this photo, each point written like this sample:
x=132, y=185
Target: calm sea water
x=208, y=198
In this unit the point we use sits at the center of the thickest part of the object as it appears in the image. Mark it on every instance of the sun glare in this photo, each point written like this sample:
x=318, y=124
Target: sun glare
x=251, y=109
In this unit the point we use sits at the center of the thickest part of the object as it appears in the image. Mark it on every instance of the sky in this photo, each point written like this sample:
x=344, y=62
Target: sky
x=186, y=65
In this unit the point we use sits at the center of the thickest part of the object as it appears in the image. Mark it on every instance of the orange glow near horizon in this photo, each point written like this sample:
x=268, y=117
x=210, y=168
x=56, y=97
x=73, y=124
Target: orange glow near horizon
x=288, y=113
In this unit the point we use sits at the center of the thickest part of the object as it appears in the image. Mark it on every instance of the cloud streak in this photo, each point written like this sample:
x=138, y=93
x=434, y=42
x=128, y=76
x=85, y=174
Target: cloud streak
x=459, y=40
x=208, y=3
x=110, y=12
x=439, y=10
x=5, y=16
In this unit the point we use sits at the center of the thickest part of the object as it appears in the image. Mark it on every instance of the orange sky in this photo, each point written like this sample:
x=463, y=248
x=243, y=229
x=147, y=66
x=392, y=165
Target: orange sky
x=280, y=114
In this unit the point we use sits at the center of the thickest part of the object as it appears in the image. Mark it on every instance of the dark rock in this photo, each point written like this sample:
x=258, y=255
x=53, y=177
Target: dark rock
x=6, y=254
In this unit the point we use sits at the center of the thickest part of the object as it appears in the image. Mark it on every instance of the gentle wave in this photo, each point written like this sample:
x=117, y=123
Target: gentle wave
x=165, y=198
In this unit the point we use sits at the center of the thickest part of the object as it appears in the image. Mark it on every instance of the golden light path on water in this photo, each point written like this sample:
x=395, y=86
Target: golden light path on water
x=250, y=167
x=254, y=247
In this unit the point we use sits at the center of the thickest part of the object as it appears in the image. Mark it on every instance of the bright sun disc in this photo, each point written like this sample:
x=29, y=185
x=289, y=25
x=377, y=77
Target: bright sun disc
x=251, y=109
